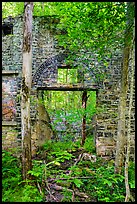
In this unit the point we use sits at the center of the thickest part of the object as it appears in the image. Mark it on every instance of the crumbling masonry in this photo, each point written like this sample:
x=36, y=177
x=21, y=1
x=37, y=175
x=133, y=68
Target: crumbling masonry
x=47, y=57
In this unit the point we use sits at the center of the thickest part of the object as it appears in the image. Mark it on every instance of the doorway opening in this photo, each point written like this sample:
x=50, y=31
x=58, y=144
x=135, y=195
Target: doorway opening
x=66, y=112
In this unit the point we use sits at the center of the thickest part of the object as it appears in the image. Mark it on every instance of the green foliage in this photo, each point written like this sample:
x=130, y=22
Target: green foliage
x=110, y=187
x=48, y=145
x=76, y=171
x=12, y=9
x=83, y=17
x=38, y=169
x=59, y=146
x=16, y=8
x=10, y=170
x=62, y=156
x=65, y=109
x=104, y=185
x=93, y=26
x=132, y=174
x=13, y=189
x=99, y=183
x=68, y=76
x=28, y=193
x=67, y=196
x=90, y=26
x=89, y=144
x=78, y=183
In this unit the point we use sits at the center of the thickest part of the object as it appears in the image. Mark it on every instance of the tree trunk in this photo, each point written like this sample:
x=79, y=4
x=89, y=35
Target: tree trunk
x=121, y=140
x=26, y=88
x=128, y=195
x=121, y=136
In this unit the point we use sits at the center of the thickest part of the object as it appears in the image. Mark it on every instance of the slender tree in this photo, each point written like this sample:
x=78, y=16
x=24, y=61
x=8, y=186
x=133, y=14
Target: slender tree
x=128, y=194
x=26, y=88
x=121, y=135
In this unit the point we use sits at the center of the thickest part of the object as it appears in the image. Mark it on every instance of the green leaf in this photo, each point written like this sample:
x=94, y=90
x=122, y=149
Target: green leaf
x=77, y=182
x=108, y=182
x=132, y=184
x=34, y=173
x=57, y=163
x=53, y=162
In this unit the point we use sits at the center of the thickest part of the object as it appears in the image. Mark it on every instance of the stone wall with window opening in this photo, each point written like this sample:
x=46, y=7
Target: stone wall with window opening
x=47, y=60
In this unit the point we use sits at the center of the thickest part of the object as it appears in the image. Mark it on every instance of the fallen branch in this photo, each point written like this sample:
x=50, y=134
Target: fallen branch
x=38, y=185
x=79, y=158
x=51, y=194
x=73, y=196
x=48, y=190
x=59, y=188
x=47, y=184
x=54, y=179
x=86, y=156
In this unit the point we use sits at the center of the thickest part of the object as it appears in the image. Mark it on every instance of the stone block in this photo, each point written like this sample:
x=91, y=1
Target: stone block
x=105, y=146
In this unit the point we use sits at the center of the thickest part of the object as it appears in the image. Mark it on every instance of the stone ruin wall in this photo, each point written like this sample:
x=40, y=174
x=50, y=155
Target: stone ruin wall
x=45, y=47
x=108, y=101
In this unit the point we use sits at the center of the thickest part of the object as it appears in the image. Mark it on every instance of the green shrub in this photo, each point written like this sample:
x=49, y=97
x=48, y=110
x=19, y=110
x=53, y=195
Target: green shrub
x=132, y=174
x=105, y=185
x=13, y=188
x=89, y=145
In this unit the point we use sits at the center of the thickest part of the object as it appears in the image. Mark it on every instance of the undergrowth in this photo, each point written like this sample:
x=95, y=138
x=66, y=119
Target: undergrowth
x=13, y=189
x=95, y=179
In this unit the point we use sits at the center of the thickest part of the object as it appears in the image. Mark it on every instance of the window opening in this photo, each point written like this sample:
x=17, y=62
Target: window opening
x=7, y=29
x=67, y=75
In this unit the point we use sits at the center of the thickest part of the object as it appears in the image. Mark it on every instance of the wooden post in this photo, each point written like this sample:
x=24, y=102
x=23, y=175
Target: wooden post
x=84, y=104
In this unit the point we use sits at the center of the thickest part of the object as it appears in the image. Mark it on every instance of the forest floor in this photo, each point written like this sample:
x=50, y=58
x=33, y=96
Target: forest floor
x=76, y=174
x=64, y=172
x=64, y=180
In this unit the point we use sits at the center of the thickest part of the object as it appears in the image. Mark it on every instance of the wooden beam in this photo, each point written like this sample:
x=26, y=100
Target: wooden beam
x=76, y=87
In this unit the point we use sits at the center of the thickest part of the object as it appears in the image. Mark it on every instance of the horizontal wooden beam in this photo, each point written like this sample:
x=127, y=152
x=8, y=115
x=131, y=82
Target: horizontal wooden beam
x=68, y=87
x=67, y=66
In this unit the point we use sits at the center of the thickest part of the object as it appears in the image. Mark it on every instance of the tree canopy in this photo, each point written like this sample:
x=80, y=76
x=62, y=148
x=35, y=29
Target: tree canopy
x=90, y=25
